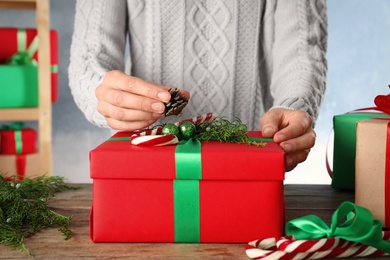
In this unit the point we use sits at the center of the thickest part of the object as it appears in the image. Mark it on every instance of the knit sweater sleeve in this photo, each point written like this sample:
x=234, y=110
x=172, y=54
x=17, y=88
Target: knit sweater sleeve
x=98, y=44
x=299, y=55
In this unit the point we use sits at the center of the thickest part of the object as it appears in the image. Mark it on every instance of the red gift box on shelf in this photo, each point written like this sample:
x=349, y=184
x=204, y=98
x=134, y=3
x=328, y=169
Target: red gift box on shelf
x=20, y=165
x=226, y=193
x=24, y=42
x=14, y=139
x=373, y=167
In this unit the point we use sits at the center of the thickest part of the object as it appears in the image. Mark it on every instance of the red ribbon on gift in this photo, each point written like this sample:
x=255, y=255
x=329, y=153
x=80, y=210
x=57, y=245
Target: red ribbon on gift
x=21, y=166
x=387, y=174
x=387, y=177
x=383, y=104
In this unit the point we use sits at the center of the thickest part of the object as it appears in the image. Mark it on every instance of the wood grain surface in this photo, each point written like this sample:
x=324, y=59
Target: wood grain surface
x=300, y=200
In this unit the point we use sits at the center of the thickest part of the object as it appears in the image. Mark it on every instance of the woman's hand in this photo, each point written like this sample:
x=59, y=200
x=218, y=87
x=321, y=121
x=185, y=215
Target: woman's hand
x=129, y=103
x=292, y=129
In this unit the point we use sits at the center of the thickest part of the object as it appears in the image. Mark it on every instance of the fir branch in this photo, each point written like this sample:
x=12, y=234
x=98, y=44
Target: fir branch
x=223, y=130
x=23, y=209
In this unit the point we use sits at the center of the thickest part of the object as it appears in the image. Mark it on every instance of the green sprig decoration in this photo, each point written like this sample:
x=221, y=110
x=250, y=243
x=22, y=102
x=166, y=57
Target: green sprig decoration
x=223, y=130
x=23, y=209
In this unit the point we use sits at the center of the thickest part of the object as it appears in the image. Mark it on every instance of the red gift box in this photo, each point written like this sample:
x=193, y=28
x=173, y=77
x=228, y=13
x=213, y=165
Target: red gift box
x=138, y=195
x=18, y=141
x=9, y=47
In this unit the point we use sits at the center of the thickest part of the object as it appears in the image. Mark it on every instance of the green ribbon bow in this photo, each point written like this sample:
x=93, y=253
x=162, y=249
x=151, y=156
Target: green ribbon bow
x=349, y=222
x=24, y=54
x=17, y=126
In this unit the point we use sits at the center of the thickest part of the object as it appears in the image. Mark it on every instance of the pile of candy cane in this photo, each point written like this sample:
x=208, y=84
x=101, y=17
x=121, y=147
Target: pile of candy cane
x=154, y=136
x=287, y=248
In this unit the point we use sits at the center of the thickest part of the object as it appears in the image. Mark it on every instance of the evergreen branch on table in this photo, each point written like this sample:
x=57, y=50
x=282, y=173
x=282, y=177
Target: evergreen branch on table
x=24, y=212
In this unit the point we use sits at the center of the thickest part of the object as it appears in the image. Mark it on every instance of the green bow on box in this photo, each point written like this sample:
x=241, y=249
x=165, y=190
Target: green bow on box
x=24, y=54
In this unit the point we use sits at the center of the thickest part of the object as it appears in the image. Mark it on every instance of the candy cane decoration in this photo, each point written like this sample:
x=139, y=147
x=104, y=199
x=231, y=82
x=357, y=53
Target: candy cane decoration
x=287, y=248
x=155, y=140
x=154, y=137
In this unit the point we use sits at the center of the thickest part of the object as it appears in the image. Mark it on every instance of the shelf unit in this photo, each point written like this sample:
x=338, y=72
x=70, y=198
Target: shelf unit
x=42, y=114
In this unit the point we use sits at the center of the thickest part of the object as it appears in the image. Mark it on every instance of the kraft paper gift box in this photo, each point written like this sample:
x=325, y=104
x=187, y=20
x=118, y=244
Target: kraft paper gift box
x=373, y=168
x=344, y=151
x=20, y=165
x=19, y=68
x=17, y=141
x=139, y=197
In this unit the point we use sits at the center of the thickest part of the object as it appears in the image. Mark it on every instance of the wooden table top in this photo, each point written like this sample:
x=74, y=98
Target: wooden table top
x=301, y=200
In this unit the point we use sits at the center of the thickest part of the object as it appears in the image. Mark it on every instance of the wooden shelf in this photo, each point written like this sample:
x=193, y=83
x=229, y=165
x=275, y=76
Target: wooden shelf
x=42, y=114
x=18, y=4
x=12, y=114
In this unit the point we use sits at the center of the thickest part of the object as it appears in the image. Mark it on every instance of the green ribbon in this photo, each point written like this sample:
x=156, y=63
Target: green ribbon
x=54, y=68
x=186, y=191
x=119, y=139
x=24, y=54
x=17, y=127
x=349, y=222
x=188, y=160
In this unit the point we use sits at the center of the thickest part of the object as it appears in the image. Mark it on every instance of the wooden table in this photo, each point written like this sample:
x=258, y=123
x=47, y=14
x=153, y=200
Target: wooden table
x=301, y=200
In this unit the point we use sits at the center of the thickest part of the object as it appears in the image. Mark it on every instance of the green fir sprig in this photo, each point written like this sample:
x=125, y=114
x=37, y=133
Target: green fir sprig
x=223, y=130
x=24, y=212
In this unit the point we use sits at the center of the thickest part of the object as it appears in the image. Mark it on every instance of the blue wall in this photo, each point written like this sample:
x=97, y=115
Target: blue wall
x=359, y=69
x=358, y=60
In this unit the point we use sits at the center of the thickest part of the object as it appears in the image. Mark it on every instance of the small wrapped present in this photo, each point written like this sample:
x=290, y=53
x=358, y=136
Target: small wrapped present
x=343, y=175
x=373, y=167
x=18, y=67
x=218, y=192
x=20, y=165
x=15, y=139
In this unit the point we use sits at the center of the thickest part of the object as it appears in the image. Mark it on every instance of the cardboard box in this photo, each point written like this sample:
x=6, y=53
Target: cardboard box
x=19, y=141
x=344, y=151
x=373, y=168
x=13, y=84
x=21, y=165
x=139, y=197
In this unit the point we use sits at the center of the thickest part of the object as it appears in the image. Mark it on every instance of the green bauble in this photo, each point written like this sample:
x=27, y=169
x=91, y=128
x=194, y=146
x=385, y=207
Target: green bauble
x=187, y=130
x=170, y=129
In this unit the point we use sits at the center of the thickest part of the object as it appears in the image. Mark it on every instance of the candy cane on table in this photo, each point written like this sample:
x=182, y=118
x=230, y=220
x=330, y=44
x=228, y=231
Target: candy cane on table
x=287, y=248
x=154, y=137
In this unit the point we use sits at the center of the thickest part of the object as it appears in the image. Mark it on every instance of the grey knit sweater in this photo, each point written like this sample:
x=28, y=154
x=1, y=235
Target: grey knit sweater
x=238, y=58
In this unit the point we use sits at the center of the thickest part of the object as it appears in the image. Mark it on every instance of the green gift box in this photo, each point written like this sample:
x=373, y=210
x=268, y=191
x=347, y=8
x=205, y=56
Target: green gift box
x=344, y=148
x=19, y=86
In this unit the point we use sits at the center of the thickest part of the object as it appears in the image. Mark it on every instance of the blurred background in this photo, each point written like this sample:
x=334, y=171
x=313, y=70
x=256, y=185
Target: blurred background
x=358, y=61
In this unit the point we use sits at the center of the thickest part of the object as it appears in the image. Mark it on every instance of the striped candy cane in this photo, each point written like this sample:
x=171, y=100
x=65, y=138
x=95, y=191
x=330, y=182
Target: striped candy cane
x=154, y=137
x=287, y=248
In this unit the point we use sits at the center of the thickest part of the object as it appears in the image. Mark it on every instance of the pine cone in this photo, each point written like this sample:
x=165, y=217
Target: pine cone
x=176, y=104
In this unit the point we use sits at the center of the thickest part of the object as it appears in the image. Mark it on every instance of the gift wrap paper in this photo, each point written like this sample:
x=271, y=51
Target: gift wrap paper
x=226, y=193
x=344, y=151
x=373, y=168
x=21, y=165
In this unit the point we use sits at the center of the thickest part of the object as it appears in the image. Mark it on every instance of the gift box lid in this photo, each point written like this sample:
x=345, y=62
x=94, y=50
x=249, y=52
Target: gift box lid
x=117, y=158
